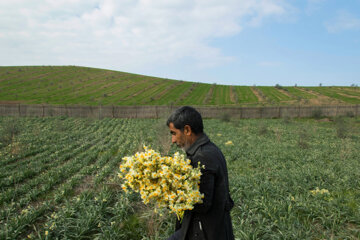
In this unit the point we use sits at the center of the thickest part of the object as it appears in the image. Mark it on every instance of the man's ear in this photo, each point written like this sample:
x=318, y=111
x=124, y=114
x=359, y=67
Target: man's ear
x=187, y=130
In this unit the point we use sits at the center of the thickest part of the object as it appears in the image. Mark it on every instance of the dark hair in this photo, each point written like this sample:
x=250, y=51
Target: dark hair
x=186, y=116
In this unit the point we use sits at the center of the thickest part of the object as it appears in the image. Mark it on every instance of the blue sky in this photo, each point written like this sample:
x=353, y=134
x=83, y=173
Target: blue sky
x=243, y=42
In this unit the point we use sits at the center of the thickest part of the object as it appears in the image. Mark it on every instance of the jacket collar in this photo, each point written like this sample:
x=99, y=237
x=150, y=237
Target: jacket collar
x=202, y=139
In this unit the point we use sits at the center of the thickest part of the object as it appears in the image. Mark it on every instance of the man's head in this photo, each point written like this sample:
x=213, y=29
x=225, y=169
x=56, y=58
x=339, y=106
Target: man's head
x=185, y=126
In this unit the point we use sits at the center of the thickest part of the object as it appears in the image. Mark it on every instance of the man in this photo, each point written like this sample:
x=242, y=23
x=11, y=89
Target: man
x=209, y=220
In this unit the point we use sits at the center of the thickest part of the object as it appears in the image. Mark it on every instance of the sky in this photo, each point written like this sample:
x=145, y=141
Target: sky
x=231, y=42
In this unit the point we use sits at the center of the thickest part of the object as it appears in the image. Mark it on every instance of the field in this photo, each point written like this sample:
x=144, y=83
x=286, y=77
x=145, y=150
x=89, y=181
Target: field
x=58, y=177
x=90, y=86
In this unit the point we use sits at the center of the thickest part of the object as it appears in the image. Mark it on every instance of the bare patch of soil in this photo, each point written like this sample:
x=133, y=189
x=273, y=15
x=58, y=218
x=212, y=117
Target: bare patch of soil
x=209, y=95
x=127, y=87
x=258, y=95
x=350, y=96
x=10, y=102
x=15, y=148
x=162, y=93
x=325, y=120
x=187, y=92
x=233, y=95
x=320, y=99
x=86, y=184
x=142, y=90
x=307, y=91
x=285, y=93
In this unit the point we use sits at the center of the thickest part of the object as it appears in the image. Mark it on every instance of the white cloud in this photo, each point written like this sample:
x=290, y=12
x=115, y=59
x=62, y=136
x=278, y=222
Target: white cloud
x=126, y=34
x=342, y=22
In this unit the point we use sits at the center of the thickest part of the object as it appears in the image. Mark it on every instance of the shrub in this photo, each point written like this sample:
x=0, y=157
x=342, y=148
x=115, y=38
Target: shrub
x=317, y=114
x=350, y=114
x=278, y=86
x=225, y=117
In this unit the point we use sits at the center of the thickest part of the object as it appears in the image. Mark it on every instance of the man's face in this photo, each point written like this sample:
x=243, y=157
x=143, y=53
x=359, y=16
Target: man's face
x=178, y=137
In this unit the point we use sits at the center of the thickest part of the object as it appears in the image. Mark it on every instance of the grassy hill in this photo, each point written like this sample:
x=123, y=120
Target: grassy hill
x=91, y=86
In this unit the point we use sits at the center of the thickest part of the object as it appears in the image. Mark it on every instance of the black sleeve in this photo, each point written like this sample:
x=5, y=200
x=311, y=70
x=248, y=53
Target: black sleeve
x=207, y=184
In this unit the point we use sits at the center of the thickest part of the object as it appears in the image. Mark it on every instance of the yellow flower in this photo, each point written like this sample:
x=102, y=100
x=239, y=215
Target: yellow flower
x=167, y=181
x=229, y=143
x=319, y=191
x=46, y=233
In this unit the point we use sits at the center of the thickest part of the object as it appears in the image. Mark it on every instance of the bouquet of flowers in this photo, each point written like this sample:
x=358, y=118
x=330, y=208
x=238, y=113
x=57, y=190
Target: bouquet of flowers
x=169, y=182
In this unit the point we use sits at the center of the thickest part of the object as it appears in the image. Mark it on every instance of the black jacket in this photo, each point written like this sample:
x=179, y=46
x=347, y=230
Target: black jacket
x=211, y=219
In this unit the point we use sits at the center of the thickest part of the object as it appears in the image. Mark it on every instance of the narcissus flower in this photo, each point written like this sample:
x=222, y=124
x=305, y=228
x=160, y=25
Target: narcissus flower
x=169, y=182
x=319, y=191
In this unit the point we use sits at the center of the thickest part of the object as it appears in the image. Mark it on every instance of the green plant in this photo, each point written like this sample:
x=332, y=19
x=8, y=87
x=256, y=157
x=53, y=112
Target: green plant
x=65, y=182
x=286, y=119
x=303, y=139
x=263, y=128
x=11, y=128
x=342, y=127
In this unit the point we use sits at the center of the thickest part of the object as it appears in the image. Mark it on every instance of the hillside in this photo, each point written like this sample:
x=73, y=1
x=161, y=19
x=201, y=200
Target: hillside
x=91, y=86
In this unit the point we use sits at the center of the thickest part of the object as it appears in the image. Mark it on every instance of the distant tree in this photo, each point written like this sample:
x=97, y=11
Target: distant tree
x=278, y=86
x=295, y=85
x=320, y=84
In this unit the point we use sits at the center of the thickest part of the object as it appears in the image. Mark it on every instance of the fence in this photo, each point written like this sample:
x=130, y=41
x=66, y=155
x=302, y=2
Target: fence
x=22, y=110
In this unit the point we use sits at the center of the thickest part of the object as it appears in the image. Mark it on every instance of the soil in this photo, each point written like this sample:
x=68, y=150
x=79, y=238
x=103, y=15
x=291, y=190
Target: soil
x=257, y=94
x=233, y=96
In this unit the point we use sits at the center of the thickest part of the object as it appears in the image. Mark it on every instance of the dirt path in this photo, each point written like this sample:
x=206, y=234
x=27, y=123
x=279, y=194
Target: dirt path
x=320, y=99
x=258, y=95
x=166, y=90
x=233, y=95
x=209, y=95
x=186, y=93
x=350, y=96
x=286, y=93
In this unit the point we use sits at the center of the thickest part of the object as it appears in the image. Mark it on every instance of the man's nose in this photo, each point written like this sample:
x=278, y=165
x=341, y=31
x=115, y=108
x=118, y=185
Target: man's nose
x=173, y=139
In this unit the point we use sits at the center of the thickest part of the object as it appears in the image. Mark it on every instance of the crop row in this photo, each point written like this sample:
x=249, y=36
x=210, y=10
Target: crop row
x=102, y=157
x=88, y=86
x=275, y=168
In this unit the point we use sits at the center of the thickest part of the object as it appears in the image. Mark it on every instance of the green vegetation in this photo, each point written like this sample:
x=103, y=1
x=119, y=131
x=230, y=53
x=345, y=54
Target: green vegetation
x=299, y=93
x=337, y=94
x=72, y=85
x=245, y=95
x=221, y=96
x=173, y=94
x=197, y=95
x=273, y=94
x=290, y=179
